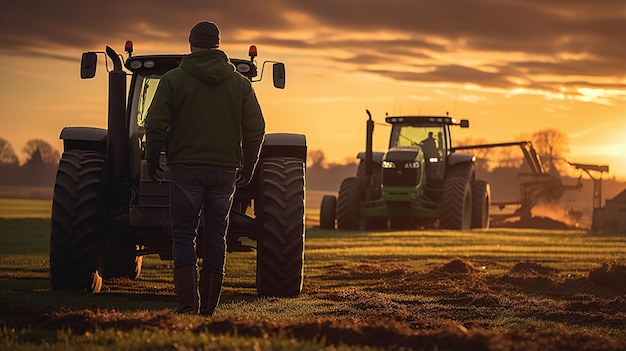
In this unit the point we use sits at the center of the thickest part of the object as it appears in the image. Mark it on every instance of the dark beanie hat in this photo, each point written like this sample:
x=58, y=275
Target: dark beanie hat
x=205, y=35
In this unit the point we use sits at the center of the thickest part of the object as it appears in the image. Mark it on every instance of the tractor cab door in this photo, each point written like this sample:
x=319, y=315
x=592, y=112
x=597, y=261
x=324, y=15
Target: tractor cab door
x=142, y=92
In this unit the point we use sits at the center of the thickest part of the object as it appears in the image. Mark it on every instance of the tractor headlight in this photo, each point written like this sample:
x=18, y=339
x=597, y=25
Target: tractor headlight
x=433, y=160
x=388, y=164
x=414, y=164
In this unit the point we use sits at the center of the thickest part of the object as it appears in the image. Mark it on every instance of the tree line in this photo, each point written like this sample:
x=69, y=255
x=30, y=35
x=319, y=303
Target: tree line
x=41, y=162
x=38, y=169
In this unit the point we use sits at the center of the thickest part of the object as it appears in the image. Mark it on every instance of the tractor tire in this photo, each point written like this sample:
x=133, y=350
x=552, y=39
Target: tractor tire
x=77, y=216
x=463, y=170
x=328, y=212
x=456, y=204
x=481, y=203
x=120, y=259
x=351, y=194
x=377, y=181
x=280, y=246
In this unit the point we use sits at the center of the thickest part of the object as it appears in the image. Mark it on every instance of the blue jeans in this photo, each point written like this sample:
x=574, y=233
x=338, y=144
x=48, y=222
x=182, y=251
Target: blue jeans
x=196, y=190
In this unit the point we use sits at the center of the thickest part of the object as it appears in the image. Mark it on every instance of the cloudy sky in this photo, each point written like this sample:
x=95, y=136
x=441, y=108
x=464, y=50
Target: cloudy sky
x=511, y=67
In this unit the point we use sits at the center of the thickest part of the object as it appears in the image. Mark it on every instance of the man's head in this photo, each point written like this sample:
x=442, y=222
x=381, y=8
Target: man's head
x=204, y=35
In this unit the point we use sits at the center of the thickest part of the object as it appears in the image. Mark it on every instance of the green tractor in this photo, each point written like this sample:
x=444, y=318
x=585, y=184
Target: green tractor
x=420, y=182
x=108, y=212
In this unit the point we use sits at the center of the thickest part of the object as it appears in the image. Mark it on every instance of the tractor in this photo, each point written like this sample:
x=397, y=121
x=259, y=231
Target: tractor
x=420, y=182
x=108, y=212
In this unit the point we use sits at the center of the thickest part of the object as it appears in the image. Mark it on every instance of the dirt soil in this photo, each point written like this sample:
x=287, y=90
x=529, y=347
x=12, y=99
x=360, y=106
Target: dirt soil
x=454, y=306
x=536, y=222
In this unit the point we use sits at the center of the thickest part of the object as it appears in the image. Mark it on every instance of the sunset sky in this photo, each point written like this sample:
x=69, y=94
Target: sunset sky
x=511, y=67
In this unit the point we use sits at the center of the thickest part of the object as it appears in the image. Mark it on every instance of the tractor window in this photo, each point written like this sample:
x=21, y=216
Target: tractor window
x=146, y=94
x=430, y=138
x=142, y=90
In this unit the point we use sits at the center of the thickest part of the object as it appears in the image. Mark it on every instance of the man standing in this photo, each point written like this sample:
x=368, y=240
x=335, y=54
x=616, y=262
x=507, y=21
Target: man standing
x=208, y=118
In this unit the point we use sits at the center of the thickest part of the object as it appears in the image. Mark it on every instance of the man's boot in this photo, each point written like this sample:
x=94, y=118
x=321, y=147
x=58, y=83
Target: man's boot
x=186, y=287
x=210, y=289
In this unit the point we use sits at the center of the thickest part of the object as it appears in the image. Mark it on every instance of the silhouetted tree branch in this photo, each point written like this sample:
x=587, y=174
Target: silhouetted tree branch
x=7, y=154
x=48, y=154
x=551, y=146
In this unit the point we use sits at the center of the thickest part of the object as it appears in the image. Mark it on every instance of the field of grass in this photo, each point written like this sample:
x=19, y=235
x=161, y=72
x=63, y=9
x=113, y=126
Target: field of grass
x=13, y=205
x=25, y=208
x=509, y=289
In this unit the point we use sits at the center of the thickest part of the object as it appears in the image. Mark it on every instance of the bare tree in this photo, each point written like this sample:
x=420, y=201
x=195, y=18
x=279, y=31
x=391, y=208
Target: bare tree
x=551, y=145
x=7, y=154
x=48, y=154
x=40, y=166
x=9, y=164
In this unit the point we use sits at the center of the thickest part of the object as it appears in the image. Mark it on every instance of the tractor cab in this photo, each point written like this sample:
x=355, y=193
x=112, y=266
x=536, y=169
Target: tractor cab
x=410, y=135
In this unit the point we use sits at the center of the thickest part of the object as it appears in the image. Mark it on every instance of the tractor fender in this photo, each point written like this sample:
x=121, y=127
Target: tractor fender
x=284, y=145
x=377, y=157
x=456, y=159
x=84, y=138
x=461, y=165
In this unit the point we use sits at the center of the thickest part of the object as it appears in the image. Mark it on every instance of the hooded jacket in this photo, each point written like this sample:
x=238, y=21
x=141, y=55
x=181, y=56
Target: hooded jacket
x=204, y=112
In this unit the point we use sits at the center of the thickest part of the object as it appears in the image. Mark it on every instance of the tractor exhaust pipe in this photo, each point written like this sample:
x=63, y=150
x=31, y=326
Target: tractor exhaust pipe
x=117, y=135
x=369, y=135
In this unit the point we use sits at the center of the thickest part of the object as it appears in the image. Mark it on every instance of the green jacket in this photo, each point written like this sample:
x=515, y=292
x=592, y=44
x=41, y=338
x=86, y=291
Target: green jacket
x=205, y=113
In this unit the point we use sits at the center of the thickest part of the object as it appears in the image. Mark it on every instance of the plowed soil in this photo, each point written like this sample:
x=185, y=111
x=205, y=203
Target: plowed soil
x=454, y=306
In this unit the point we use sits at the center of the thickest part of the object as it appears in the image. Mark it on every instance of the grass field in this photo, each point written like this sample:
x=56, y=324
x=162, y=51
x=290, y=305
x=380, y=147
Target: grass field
x=12, y=206
x=505, y=289
x=25, y=208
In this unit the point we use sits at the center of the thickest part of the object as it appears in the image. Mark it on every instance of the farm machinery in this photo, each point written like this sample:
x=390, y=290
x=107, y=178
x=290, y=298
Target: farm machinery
x=535, y=185
x=108, y=212
x=423, y=181
x=419, y=182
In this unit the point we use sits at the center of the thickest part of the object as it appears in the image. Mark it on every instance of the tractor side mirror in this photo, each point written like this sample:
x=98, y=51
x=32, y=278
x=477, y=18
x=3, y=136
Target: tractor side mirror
x=278, y=69
x=464, y=123
x=88, y=65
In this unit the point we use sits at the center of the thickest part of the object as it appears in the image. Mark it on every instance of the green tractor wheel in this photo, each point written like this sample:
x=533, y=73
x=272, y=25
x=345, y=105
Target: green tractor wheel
x=481, y=202
x=456, y=204
x=328, y=212
x=280, y=247
x=351, y=194
x=377, y=173
x=77, y=215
